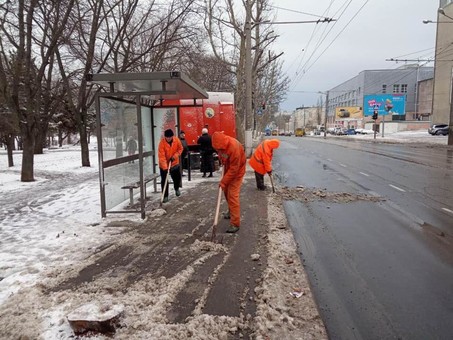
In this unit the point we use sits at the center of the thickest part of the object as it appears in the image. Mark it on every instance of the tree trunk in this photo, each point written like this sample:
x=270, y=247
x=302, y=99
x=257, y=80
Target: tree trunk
x=10, y=148
x=40, y=141
x=82, y=126
x=28, y=140
x=84, y=146
x=60, y=138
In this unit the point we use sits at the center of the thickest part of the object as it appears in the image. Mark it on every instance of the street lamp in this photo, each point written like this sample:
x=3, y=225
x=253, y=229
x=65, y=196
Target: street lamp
x=437, y=22
x=441, y=11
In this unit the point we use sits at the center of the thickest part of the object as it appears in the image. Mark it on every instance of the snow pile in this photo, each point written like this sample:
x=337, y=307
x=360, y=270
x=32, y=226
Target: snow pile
x=281, y=315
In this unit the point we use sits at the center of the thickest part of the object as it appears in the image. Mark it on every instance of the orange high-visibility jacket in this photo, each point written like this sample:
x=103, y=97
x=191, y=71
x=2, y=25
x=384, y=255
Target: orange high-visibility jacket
x=261, y=160
x=232, y=154
x=167, y=151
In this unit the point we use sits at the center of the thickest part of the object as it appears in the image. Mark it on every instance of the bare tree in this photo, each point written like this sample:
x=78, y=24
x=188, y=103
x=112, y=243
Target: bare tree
x=30, y=31
x=225, y=24
x=120, y=36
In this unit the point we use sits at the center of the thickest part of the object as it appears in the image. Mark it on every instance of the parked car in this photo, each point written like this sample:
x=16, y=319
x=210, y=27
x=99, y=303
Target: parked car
x=363, y=131
x=350, y=131
x=438, y=129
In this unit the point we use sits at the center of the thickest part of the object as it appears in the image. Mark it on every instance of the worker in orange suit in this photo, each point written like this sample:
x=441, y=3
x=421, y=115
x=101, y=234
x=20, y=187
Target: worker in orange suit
x=261, y=160
x=232, y=156
x=170, y=148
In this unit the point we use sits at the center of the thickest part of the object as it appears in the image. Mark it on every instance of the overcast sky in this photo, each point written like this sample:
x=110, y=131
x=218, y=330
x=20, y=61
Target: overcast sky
x=365, y=34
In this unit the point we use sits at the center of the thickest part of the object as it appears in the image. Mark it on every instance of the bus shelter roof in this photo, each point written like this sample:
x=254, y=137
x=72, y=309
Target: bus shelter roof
x=156, y=85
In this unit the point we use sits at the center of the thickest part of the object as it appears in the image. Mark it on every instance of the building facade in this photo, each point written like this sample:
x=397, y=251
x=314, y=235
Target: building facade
x=400, y=81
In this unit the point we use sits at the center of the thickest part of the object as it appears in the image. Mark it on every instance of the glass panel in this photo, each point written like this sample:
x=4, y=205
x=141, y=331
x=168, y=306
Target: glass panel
x=147, y=130
x=119, y=125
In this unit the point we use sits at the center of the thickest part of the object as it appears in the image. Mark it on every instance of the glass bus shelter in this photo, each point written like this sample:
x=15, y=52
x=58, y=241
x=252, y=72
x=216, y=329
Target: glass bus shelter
x=128, y=114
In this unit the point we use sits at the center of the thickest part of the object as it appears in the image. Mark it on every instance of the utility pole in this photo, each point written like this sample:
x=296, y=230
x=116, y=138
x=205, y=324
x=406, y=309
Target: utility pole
x=450, y=124
x=248, y=80
x=325, y=117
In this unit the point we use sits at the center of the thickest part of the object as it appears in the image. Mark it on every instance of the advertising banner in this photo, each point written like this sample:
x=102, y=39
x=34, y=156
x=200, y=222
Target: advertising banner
x=348, y=112
x=385, y=104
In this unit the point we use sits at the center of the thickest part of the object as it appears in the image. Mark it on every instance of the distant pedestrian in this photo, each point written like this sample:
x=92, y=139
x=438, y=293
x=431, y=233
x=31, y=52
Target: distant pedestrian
x=185, y=151
x=232, y=155
x=170, y=148
x=206, y=152
x=261, y=160
x=131, y=147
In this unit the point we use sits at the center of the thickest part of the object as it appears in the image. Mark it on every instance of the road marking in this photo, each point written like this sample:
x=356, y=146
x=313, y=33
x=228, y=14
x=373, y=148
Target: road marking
x=364, y=174
x=344, y=166
x=395, y=187
x=448, y=210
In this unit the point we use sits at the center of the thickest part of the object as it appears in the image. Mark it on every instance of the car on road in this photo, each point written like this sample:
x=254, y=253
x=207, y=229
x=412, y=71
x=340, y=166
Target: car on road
x=299, y=132
x=438, y=129
x=351, y=131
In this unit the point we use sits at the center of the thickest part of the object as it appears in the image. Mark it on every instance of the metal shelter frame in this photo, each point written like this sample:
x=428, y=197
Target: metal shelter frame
x=144, y=91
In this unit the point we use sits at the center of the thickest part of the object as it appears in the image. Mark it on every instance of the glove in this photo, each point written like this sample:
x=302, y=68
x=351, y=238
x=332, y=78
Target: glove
x=222, y=185
x=172, y=159
x=269, y=172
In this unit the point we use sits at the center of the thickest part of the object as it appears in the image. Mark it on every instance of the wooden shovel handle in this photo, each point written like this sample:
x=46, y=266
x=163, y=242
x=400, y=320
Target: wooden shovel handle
x=165, y=185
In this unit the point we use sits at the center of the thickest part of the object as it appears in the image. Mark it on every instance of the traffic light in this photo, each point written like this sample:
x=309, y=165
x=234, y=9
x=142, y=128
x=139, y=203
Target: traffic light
x=375, y=114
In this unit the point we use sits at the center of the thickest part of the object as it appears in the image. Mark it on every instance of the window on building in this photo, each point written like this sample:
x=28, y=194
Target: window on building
x=396, y=88
x=384, y=88
x=403, y=88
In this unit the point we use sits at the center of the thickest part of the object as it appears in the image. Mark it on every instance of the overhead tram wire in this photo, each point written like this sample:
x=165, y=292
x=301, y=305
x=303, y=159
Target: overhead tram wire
x=320, y=40
x=311, y=37
x=390, y=79
x=346, y=4
x=355, y=15
x=300, y=12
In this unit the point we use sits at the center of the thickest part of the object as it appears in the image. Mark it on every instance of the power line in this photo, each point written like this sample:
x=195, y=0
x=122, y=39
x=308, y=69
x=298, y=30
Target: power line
x=294, y=11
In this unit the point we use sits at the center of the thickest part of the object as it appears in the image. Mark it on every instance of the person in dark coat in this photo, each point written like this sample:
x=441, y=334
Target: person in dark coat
x=206, y=152
x=185, y=151
x=131, y=147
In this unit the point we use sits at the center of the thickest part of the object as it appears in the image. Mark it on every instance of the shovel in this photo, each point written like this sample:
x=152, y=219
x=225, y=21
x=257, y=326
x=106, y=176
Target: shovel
x=165, y=185
x=272, y=183
x=217, y=211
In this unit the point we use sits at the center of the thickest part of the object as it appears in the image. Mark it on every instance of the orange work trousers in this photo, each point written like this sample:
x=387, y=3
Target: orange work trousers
x=232, y=192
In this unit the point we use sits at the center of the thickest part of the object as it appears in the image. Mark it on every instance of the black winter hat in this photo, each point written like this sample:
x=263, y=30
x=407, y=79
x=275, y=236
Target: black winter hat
x=181, y=132
x=168, y=133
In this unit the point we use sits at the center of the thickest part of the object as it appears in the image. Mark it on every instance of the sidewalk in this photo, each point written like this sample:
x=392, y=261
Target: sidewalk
x=172, y=283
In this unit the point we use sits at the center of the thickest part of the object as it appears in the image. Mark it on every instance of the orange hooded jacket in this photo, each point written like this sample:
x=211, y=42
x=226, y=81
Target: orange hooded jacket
x=261, y=160
x=232, y=154
x=167, y=151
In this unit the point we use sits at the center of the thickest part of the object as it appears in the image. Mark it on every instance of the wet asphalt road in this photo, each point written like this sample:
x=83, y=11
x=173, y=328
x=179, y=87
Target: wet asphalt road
x=379, y=270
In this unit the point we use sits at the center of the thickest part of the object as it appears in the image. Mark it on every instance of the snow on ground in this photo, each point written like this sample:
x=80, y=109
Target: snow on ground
x=53, y=221
x=411, y=137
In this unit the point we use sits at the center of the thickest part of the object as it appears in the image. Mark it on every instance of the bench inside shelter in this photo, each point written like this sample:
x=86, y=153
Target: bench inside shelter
x=135, y=185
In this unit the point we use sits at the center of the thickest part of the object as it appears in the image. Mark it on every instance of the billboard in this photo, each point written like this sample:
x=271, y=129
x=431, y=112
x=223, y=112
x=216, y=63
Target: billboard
x=348, y=112
x=393, y=104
